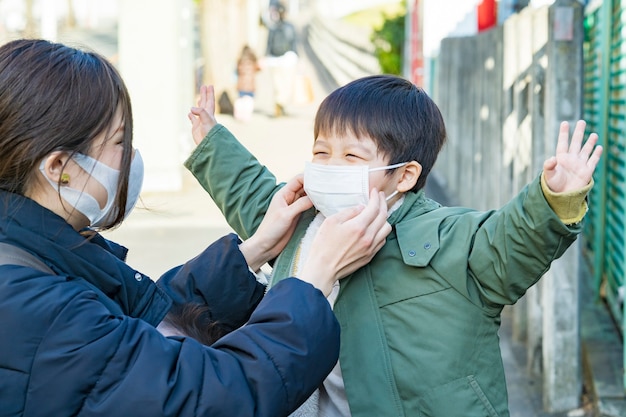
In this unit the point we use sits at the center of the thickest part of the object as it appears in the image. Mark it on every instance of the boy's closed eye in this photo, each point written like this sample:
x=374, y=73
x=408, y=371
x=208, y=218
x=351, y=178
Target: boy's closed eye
x=352, y=157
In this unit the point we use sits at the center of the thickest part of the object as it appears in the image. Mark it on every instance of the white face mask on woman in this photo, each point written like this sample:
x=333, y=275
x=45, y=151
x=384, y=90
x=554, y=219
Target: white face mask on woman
x=108, y=177
x=333, y=188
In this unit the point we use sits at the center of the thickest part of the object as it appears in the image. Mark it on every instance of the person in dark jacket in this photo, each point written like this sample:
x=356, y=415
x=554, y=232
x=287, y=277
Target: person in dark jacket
x=78, y=326
x=281, y=57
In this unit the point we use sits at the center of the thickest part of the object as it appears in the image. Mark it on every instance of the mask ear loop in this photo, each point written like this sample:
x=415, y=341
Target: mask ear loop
x=390, y=196
x=401, y=164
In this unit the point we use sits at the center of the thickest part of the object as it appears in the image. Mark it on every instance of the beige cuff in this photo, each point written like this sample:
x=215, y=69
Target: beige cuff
x=570, y=206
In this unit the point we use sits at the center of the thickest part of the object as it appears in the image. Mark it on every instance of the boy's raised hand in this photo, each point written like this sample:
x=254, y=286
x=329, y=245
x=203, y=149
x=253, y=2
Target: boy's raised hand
x=574, y=163
x=202, y=116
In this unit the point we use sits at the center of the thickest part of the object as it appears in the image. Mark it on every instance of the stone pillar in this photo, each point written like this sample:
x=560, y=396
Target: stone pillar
x=539, y=31
x=156, y=61
x=560, y=287
x=223, y=32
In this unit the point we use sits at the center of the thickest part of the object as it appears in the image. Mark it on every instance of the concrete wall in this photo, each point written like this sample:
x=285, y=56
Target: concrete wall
x=503, y=94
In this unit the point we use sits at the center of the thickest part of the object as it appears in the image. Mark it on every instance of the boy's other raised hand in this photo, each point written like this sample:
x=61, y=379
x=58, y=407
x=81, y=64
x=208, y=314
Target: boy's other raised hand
x=574, y=163
x=202, y=116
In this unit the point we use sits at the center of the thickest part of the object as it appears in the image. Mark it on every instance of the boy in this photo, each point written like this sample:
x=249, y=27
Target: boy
x=419, y=323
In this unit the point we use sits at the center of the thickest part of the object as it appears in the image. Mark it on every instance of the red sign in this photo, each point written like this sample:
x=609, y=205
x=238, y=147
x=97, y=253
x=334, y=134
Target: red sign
x=486, y=13
x=417, y=44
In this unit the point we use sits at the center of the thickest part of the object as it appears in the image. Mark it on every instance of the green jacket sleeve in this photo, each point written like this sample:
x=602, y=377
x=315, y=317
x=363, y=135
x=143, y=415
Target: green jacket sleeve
x=523, y=239
x=510, y=249
x=239, y=184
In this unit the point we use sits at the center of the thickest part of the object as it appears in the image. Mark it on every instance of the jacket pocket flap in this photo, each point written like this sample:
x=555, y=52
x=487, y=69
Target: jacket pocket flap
x=418, y=249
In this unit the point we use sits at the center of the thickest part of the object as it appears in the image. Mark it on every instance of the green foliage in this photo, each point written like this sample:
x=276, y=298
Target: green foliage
x=374, y=17
x=389, y=44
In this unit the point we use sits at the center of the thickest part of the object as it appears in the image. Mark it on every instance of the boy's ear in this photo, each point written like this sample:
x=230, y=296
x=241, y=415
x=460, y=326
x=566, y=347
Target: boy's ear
x=411, y=173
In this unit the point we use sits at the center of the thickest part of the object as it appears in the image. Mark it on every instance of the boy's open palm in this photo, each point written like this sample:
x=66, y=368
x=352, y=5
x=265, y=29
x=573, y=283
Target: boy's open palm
x=574, y=163
x=202, y=116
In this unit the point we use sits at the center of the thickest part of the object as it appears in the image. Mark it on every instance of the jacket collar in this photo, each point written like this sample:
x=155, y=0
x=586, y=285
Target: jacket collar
x=26, y=224
x=414, y=204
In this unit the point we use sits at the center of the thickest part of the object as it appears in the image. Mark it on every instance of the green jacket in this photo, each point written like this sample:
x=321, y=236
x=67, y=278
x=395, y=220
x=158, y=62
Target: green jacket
x=419, y=323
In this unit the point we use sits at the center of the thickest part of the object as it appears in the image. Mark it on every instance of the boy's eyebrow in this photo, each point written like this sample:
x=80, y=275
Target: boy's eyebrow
x=360, y=145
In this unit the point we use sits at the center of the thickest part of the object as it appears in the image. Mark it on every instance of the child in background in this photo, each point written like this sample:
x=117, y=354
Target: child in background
x=419, y=323
x=247, y=68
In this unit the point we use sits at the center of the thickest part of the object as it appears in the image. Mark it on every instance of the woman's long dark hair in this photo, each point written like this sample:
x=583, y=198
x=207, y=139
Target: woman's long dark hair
x=54, y=97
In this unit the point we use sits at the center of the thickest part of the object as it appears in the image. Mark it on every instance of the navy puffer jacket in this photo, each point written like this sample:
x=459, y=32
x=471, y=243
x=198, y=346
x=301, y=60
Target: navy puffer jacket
x=83, y=342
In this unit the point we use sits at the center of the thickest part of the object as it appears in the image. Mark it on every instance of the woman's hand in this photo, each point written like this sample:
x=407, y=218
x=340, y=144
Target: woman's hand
x=202, y=117
x=345, y=242
x=574, y=163
x=278, y=224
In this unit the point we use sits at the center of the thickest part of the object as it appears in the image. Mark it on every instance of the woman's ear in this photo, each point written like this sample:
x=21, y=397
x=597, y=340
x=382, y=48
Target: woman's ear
x=54, y=165
x=410, y=174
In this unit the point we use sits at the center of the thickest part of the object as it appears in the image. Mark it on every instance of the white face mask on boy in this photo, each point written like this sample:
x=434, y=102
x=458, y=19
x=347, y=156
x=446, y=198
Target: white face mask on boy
x=333, y=188
x=108, y=177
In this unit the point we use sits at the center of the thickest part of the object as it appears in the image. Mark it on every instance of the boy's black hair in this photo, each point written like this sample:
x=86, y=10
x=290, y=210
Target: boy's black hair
x=401, y=119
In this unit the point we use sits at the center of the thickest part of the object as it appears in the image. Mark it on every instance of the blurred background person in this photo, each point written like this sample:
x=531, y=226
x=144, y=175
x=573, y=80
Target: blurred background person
x=281, y=57
x=247, y=68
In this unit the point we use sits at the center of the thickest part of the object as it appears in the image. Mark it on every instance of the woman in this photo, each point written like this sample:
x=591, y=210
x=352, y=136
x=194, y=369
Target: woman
x=78, y=326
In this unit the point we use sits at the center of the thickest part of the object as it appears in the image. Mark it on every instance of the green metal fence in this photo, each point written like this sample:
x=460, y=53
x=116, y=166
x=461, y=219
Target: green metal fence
x=604, y=109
